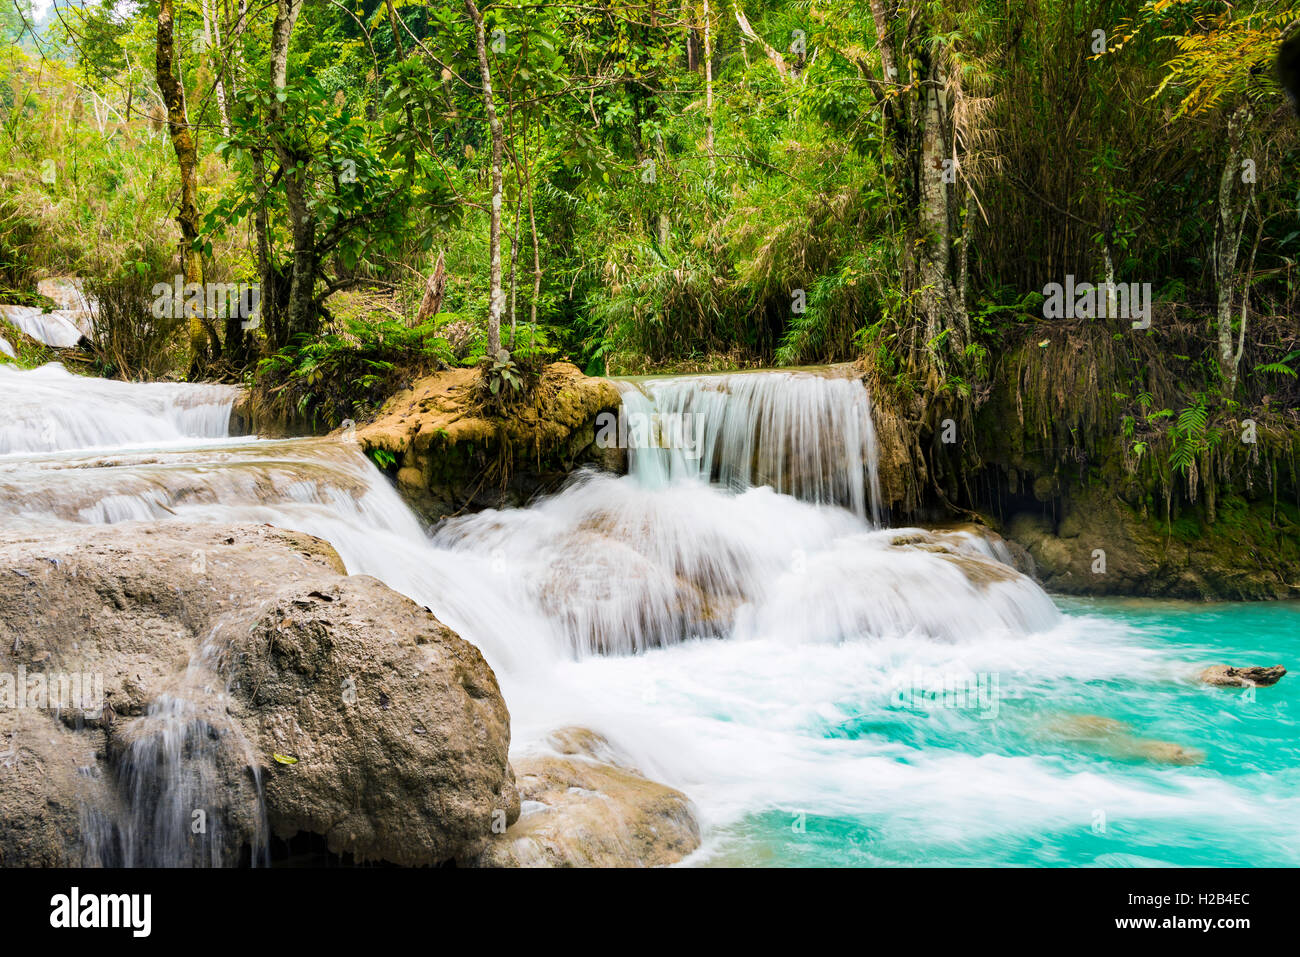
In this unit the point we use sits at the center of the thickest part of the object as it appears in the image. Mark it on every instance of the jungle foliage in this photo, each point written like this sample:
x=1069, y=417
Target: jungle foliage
x=645, y=185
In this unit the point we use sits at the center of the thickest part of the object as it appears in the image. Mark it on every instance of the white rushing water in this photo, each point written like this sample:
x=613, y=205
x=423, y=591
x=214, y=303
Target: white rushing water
x=50, y=409
x=717, y=630
x=62, y=327
x=55, y=329
x=807, y=435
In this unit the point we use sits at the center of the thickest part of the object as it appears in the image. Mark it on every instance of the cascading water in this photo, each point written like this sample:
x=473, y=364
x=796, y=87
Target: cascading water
x=51, y=328
x=49, y=409
x=172, y=770
x=737, y=621
x=62, y=327
x=807, y=435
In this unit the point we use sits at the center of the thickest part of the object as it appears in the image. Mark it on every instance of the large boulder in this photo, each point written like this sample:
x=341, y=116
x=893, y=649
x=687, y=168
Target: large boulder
x=246, y=682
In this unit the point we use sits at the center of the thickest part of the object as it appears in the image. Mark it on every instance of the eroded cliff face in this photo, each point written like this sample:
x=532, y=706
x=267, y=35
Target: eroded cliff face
x=448, y=454
x=245, y=684
x=1098, y=544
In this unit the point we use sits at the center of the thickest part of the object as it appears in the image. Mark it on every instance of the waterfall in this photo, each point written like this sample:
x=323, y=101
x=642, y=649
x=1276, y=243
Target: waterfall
x=767, y=539
x=62, y=327
x=803, y=434
x=766, y=530
x=744, y=513
x=49, y=410
x=180, y=810
x=57, y=329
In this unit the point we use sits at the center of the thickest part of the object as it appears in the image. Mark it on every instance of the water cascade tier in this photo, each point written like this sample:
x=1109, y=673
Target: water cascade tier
x=807, y=435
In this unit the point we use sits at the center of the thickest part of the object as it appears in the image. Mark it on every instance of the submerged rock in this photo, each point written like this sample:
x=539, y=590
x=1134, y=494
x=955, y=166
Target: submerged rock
x=585, y=806
x=983, y=556
x=1226, y=676
x=1115, y=739
x=246, y=682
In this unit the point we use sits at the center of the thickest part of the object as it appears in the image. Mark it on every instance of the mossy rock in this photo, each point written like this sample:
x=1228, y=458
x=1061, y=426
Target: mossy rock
x=1101, y=545
x=450, y=454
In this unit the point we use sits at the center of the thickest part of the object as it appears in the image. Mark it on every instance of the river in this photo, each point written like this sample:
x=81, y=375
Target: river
x=742, y=627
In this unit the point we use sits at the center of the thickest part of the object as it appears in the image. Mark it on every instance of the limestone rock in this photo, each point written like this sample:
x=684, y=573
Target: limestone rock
x=1226, y=676
x=451, y=456
x=1239, y=561
x=364, y=718
x=583, y=806
x=1115, y=739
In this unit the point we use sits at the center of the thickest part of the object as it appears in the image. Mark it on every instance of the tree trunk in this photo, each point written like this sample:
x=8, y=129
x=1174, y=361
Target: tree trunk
x=708, y=82
x=496, y=297
x=883, y=41
x=749, y=34
x=396, y=28
x=237, y=342
x=212, y=44
x=300, y=311
x=272, y=302
x=187, y=217
x=537, y=255
x=937, y=293
x=1228, y=227
x=514, y=278
x=271, y=308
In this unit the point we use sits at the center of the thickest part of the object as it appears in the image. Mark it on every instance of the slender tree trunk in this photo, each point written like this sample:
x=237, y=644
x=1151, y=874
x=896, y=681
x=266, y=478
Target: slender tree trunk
x=514, y=274
x=961, y=202
x=537, y=269
x=1245, y=292
x=708, y=82
x=212, y=43
x=236, y=348
x=1230, y=221
x=937, y=294
x=884, y=43
x=300, y=312
x=186, y=149
x=532, y=229
x=496, y=297
x=271, y=308
x=396, y=28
